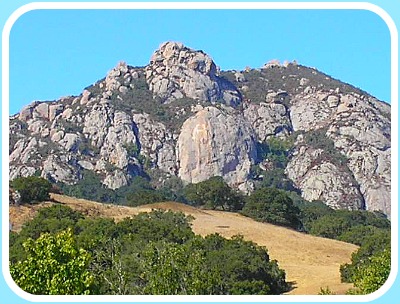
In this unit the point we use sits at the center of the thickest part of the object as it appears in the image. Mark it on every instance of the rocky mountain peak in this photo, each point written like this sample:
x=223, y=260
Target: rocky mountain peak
x=181, y=118
x=176, y=54
x=176, y=71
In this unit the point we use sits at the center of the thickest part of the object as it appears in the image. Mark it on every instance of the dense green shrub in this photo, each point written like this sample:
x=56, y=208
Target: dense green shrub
x=243, y=267
x=93, y=232
x=144, y=196
x=141, y=192
x=330, y=226
x=52, y=219
x=154, y=253
x=213, y=193
x=319, y=140
x=334, y=224
x=371, y=276
x=32, y=189
x=311, y=212
x=90, y=187
x=138, y=192
x=359, y=234
x=372, y=245
x=157, y=226
x=275, y=150
x=273, y=178
x=177, y=269
x=273, y=206
x=54, y=265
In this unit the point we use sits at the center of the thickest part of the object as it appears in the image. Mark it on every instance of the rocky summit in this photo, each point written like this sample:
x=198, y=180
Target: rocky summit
x=181, y=117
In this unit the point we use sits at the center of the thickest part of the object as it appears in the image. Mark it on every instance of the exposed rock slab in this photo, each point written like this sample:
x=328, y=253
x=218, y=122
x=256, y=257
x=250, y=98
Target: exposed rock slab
x=268, y=119
x=320, y=179
x=213, y=143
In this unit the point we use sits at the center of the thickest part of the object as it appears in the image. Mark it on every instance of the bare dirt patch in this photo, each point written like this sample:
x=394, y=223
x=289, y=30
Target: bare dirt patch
x=310, y=262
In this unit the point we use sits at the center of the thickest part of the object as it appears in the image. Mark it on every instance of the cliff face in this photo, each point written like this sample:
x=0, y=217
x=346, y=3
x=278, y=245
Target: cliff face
x=214, y=143
x=181, y=116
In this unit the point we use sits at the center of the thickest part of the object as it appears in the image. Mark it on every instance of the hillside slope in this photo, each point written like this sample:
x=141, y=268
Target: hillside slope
x=310, y=262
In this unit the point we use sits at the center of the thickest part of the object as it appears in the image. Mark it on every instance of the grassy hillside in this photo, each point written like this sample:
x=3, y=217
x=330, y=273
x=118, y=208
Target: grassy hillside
x=310, y=262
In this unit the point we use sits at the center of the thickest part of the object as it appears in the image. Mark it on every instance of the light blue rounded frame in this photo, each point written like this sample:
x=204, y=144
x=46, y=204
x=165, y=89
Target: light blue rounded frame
x=388, y=10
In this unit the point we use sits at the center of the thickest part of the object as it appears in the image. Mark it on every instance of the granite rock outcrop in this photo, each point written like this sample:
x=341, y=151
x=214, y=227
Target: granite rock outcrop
x=180, y=116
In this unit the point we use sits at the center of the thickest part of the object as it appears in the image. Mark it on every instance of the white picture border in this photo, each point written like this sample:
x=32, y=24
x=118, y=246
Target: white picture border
x=215, y=6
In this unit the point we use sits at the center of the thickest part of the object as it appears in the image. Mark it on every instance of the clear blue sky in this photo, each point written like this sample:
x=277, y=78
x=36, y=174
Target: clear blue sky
x=54, y=53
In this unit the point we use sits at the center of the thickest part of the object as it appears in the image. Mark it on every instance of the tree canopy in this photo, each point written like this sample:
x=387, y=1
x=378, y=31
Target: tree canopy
x=273, y=206
x=32, y=189
x=370, y=276
x=150, y=253
x=54, y=265
x=213, y=193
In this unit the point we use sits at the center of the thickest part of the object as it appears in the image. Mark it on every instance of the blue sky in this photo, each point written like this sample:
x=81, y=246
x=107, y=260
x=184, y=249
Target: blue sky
x=54, y=53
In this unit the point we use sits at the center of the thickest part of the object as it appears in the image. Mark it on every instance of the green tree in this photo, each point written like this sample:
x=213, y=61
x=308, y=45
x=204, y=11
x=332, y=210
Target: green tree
x=92, y=232
x=116, y=269
x=370, y=277
x=273, y=206
x=173, y=269
x=330, y=226
x=276, y=178
x=372, y=245
x=275, y=150
x=54, y=266
x=141, y=192
x=32, y=189
x=243, y=266
x=359, y=234
x=334, y=224
x=213, y=193
x=90, y=187
x=143, y=197
x=312, y=211
x=150, y=253
x=157, y=225
x=51, y=219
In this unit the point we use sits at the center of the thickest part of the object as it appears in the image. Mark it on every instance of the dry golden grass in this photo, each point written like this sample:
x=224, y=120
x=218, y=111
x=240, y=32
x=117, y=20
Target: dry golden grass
x=310, y=262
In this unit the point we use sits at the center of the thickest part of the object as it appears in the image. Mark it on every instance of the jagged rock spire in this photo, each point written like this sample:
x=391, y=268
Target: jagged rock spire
x=176, y=71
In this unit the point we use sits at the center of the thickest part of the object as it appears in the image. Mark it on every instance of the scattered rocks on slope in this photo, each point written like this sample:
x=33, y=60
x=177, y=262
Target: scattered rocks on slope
x=360, y=129
x=268, y=119
x=321, y=179
x=157, y=143
x=119, y=135
x=311, y=111
x=116, y=179
x=57, y=169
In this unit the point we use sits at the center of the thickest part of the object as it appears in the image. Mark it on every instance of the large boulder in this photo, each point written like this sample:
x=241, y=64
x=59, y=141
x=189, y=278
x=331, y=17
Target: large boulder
x=215, y=143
